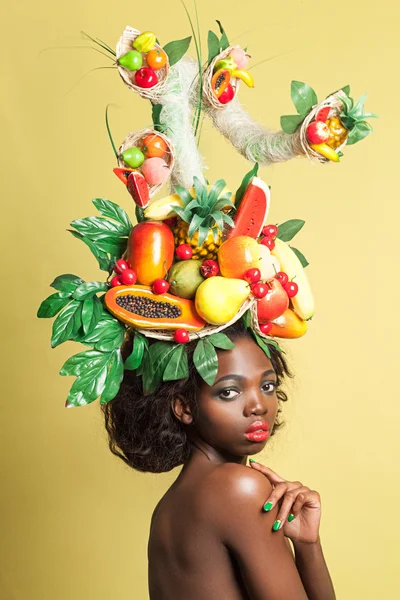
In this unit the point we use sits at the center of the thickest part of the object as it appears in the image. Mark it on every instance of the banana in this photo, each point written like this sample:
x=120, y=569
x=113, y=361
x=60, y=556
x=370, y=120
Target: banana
x=303, y=302
x=162, y=209
x=245, y=76
x=326, y=151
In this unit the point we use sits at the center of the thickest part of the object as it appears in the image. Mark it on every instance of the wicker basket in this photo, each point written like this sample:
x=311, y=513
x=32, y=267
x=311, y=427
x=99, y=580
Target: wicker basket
x=209, y=97
x=336, y=105
x=134, y=139
x=125, y=44
x=168, y=336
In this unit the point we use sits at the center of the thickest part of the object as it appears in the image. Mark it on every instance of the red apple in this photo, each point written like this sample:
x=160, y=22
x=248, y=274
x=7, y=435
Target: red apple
x=274, y=304
x=318, y=132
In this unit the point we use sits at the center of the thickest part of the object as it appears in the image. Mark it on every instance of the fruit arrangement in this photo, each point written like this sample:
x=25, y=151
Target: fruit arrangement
x=146, y=159
x=326, y=127
x=223, y=74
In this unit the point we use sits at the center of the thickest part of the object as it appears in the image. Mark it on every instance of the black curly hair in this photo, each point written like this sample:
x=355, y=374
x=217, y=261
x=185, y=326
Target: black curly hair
x=144, y=432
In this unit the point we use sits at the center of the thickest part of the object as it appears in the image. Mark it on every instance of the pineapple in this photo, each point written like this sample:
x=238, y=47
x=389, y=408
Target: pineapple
x=350, y=125
x=202, y=219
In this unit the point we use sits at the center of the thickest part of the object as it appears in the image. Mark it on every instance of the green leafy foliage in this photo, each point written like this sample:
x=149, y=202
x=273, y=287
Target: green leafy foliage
x=300, y=256
x=91, y=312
x=288, y=229
x=175, y=50
x=105, y=262
x=245, y=182
x=224, y=42
x=53, y=304
x=213, y=46
x=134, y=360
x=89, y=289
x=206, y=360
x=264, y=344
x=107, y=335
x=154, y=364
x=156, y=114
x=290, y=123
x=113, y=211
x=177, y=366
x=354, y=118
x=66, y=283
x=67, y=324
x=303, y=96
x=220, y=340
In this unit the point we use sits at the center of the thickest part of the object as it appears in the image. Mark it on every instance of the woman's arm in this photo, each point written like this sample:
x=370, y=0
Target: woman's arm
x=313, y=571
x=263, y=555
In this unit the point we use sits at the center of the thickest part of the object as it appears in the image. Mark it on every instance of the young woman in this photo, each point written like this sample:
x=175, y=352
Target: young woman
x=221, y=531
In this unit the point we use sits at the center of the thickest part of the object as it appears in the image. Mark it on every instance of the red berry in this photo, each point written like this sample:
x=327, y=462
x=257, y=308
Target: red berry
x=160, y=286
x=260, y=290
x=184, y=252
x=291, y=288
x=269, y=242
x=266, y=328
x=115, y=281
x=270, y=231
x=120, y=266
x=128, y=277
x=209, y=268
x=170, y=222
x=282, y=277
x=181, y=336
x=252, y=275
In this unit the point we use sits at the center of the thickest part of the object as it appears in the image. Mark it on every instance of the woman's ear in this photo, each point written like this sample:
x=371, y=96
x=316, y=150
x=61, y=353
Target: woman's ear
x=181, y=409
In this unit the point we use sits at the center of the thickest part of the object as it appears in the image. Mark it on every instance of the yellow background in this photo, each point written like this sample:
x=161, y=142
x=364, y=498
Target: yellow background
x=74, y=519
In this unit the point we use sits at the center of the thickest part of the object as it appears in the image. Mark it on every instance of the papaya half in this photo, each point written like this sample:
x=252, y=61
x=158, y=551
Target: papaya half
x=137, y=306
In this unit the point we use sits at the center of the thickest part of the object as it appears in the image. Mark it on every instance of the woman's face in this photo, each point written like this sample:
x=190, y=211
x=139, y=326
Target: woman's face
x=244, y=393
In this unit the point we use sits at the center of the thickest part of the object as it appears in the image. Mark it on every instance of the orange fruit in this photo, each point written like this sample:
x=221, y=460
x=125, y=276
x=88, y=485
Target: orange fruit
x=156, y=59
x=238, y=254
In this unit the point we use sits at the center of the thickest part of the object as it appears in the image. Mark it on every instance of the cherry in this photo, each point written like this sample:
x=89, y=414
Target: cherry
x=282, y=277
x=209, y=268
x=269, y=242
x=270, y=231
x=260, y=289
x=181, y=336
x=266, y=328
x=115, y=281
x=128, y=277
x=291, y=288
x=120, y=266
x=184, y=252
x=160, y=286
x=252, y=275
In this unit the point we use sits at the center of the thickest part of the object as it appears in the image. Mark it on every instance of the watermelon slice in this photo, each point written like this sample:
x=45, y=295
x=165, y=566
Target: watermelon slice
x=138, y=188
x=123, y=174
x=253, y=210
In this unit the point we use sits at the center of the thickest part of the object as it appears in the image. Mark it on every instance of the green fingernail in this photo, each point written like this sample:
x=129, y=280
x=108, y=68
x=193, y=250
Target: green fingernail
x=290, y=517
x=252, y=460
x=267, y=506
x=276, y=525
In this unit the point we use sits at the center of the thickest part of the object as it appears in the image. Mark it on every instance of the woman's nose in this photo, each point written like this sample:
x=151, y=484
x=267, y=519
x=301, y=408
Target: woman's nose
x=256, y=404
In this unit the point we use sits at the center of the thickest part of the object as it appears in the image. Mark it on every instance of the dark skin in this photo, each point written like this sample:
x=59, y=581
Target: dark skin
x=210, y=538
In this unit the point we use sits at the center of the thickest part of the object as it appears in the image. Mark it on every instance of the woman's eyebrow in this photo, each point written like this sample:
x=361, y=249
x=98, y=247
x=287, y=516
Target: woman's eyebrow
x=234, y=377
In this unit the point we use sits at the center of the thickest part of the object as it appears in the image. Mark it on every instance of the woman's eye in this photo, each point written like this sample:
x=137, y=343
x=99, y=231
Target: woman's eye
x=228, y=394
x=269, y=386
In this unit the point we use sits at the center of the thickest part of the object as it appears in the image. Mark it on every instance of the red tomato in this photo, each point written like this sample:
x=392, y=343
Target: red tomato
x=156, y=59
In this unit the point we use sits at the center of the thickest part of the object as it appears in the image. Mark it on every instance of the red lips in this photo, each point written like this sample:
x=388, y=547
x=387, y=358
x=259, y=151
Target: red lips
x=258, y=426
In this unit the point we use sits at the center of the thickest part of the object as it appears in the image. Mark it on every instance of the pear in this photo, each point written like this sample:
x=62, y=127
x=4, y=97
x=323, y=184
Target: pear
x=218, y=299
x=132, y=60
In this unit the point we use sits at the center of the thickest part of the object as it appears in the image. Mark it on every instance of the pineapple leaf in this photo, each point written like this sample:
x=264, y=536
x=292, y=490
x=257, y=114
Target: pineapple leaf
x=368, y=116
x=347, y=104
x=217, y=216
x=223, y=202
x=182, y=213
x=215, y=231
x=358, y=108
x=193, y=204
x=195, y=223
x=228, y=219
x=203, y=233
x=184, y=194
x=359, y=132
x=201, y=191
x=215, y=191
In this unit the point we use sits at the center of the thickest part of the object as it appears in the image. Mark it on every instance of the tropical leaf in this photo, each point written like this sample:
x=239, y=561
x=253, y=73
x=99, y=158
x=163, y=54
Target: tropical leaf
x=53, y=304
x=303, y=97
x=288, y=229
x=205, y=360
x=177, y=49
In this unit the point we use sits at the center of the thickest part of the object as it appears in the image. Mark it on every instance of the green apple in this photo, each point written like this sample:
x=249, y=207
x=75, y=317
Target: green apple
x=132, y=60
x=133, y=157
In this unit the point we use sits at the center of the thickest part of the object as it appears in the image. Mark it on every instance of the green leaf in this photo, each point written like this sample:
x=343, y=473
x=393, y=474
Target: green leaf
x=193, y=204
x=184, y=194
x=213, y=46
x=91, y=313
x=369, y=115
x=182, y=213
x=359, y=132
x=105, y=263
x=155, y=115
x=288, y=229
x=220, y=340
x=224, y=42
x=245, y=182
x=228, y=220
x=175, y=50
x=263, y=345
x=205, y=360
x=154, y=365
x=88, y=289
x=346, y=90
x=67, y=323
x=348, y=103
x=301, y=257
x=215, y=191
x=113, y=211
x=107, y=335
x=98, y=226
x=134, y=360
x=66, y=283
x=303, y=97
x=290, y=123
x=53, y=304
x=203, y=233
x=247, y=319
x=177, y=367
x=358, y=108
x=82, y=362
x=217, y=216
x=90, y=384
x=194, y=224
x=114, y=377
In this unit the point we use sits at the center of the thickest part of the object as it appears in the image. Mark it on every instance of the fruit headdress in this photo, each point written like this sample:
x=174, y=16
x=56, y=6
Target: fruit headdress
x=201, y=257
